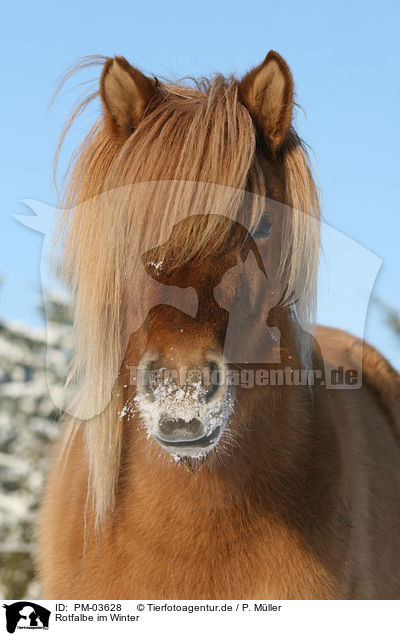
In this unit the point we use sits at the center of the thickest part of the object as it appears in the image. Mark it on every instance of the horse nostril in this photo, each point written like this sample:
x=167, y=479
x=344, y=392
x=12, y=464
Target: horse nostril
x=215, y=380
x=148, y=382
x=145, y=377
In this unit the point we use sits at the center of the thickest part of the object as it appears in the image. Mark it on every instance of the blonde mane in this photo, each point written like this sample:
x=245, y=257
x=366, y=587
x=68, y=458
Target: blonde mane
x=195, y=152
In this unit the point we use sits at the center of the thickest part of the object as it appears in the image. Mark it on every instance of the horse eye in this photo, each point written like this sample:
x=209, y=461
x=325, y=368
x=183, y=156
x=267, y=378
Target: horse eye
x=263, y=228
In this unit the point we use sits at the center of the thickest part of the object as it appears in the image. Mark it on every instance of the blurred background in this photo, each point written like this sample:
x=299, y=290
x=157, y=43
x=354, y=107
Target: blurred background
x=344, y=57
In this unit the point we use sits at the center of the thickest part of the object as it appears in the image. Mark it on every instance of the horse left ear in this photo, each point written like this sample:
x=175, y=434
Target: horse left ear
x=267, y=93
x=126, y=94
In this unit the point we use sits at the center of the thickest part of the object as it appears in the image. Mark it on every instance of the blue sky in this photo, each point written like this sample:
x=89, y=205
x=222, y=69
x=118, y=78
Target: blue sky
x=345, y=60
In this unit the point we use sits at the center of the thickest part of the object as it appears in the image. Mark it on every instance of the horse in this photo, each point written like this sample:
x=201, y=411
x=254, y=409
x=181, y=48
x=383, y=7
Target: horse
x=189, y=468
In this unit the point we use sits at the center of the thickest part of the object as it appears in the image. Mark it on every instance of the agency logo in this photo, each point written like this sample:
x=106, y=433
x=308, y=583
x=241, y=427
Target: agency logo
x=262, y=290
x=26, y=615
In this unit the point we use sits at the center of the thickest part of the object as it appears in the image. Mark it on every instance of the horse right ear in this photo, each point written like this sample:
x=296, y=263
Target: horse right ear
x=126, y=95
x=267, y=93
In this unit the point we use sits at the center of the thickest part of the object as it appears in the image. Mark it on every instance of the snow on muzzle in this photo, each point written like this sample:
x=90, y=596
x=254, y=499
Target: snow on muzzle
x=185, y=408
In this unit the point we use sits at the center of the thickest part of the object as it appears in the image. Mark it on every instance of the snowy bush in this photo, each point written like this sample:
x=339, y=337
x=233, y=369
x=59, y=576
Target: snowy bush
x=29, y=424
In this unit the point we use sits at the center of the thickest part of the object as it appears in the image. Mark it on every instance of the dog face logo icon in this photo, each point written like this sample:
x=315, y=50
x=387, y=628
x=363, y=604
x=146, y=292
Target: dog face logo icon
x=26, y=615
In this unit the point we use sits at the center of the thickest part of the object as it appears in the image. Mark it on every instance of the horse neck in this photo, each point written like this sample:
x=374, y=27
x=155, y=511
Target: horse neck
x=271, y=458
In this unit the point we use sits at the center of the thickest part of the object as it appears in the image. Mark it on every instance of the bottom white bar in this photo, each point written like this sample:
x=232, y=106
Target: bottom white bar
x=193, y=617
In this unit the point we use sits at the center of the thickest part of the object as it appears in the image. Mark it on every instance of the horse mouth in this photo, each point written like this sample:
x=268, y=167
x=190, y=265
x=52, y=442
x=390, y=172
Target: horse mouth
x=194, y=446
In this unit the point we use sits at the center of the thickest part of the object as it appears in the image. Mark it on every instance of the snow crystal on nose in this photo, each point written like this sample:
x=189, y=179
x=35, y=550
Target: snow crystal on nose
x=157, y=264
x=177, y=401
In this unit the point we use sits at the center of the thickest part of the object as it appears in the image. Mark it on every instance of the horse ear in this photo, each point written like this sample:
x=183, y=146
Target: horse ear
x=267, y=93
x=126, y=94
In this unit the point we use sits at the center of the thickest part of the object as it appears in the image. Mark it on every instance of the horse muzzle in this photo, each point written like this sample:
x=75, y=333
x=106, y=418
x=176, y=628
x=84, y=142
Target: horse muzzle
x=185, y=408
